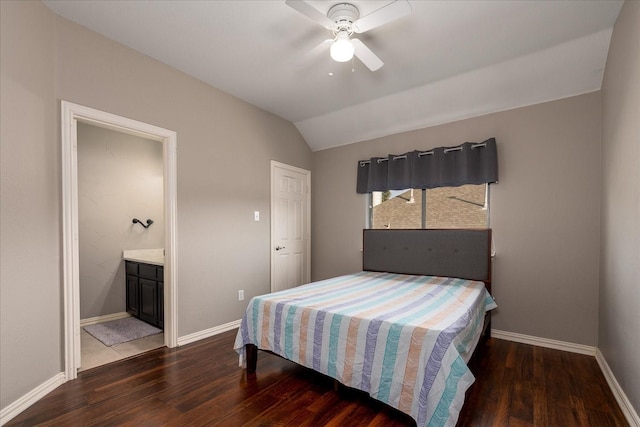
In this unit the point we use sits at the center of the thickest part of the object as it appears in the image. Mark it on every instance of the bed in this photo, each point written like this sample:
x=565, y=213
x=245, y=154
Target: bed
x=403, y=329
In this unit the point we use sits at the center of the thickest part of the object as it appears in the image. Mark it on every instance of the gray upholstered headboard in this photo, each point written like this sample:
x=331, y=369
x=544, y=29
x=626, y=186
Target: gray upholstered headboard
x=431, y=252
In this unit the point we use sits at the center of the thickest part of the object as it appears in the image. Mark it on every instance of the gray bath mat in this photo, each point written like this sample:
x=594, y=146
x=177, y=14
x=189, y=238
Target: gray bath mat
x=121, y=330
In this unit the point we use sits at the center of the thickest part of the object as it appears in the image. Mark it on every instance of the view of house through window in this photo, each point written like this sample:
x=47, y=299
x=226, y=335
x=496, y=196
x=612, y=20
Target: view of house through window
x=445, y=207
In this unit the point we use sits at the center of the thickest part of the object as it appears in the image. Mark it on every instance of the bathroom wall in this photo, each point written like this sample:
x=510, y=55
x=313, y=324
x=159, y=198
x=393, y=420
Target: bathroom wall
x=120, y=177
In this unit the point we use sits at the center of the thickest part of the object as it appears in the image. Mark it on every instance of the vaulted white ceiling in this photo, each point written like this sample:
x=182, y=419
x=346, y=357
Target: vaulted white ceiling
x=446, y=61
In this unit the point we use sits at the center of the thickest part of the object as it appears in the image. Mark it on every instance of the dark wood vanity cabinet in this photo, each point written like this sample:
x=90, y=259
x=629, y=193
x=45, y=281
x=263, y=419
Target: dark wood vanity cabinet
x=145, y=292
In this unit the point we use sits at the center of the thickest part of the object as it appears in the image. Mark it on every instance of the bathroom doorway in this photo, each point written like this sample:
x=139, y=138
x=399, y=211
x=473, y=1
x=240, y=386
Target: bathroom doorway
x=120, y=179
x=72, y=116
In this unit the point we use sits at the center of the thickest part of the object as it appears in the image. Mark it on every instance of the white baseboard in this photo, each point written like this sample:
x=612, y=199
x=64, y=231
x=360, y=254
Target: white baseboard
x=544, y=342
x=15, y=408
x=625, y=405
x=196, y=336
x=105, y=318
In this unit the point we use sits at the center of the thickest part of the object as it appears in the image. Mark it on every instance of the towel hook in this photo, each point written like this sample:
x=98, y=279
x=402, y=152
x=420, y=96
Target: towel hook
x=149, y=222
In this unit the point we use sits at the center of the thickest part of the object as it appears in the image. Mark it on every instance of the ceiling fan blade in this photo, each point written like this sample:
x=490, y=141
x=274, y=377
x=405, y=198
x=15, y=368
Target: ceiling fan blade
x=384, y=15
x=365, y=55
x=315, y=51
x=311, y=12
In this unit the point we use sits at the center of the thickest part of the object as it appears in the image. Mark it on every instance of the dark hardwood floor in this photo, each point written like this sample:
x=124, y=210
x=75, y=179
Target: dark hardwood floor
x=201, y=384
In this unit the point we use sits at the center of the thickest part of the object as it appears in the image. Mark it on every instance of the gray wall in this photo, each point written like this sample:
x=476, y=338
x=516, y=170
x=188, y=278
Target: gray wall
x=224, y=147
x=619, y=326
x=30, y=269
x=120, y=177
x=544, y=211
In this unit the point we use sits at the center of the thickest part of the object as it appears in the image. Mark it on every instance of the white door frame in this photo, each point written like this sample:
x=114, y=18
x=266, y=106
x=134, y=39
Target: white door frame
x=71, y=115
x=307, y=231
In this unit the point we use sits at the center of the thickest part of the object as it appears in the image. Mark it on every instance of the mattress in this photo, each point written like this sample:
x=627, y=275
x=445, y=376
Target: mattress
x=403, y=339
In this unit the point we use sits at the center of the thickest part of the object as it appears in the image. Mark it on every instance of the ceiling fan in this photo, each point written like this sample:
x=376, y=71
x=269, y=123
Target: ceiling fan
x=343, y=20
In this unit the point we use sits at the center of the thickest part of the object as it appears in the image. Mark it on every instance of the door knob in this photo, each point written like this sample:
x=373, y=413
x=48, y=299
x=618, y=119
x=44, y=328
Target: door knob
x=279, y=247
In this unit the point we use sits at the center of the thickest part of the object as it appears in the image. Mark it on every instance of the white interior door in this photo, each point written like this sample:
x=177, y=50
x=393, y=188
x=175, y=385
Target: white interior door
x=290, y=226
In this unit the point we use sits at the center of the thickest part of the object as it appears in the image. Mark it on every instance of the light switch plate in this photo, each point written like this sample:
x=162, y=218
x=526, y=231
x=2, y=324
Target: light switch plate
x=256, y=215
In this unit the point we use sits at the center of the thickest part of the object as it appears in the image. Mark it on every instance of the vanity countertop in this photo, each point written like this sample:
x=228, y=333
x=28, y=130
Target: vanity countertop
x=148, y=256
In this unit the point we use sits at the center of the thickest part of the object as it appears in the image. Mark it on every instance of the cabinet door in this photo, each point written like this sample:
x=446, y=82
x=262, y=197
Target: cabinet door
x=133, y=295
x=161, y=305
x=149, y=301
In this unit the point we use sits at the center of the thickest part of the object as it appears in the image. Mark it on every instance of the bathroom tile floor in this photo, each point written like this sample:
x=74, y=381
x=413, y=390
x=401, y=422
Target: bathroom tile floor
x=93, y=353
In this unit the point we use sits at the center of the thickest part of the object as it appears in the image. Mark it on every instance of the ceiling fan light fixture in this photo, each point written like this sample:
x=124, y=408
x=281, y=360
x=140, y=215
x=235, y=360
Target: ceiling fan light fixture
x=342, y=49
x=343, y=20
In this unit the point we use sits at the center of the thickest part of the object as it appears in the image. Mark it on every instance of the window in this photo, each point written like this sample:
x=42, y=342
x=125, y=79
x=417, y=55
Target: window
x=445, y=207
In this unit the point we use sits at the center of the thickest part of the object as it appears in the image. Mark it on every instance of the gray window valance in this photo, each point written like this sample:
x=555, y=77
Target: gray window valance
x=469, y=163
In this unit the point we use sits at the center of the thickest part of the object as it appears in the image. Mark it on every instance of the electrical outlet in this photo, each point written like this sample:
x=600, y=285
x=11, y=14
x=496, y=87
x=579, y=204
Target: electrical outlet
x=241, y=295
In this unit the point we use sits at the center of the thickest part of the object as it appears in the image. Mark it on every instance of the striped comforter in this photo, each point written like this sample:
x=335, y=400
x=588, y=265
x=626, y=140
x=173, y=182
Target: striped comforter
x=403, y=339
